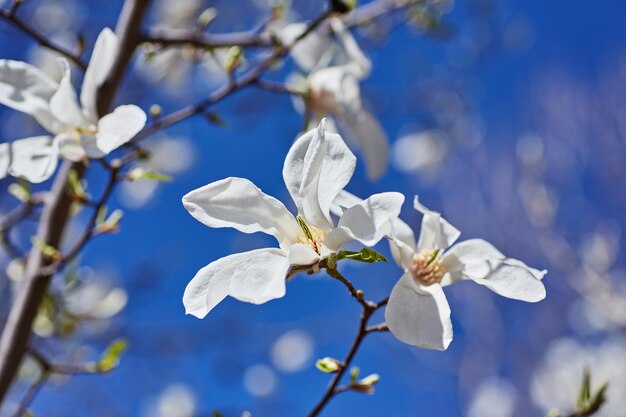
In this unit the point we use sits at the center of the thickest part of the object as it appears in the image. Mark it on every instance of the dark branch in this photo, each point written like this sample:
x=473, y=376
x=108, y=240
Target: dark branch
x=56, y=213
x=11, y=17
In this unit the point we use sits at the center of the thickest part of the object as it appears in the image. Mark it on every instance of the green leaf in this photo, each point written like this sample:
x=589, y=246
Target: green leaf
x=366, y=255
x=216, y=413
x=110, y=359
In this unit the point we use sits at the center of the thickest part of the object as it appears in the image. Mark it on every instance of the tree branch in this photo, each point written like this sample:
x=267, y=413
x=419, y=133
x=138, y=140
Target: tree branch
x=333, y=388
x=11, y=17
x=56, y=213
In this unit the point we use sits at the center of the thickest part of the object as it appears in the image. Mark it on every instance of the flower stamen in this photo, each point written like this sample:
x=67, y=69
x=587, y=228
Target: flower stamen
x=427, y=267
x=311, y=235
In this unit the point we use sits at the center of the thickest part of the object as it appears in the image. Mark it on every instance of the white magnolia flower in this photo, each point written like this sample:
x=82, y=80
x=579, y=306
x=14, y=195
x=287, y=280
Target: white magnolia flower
x=418, y=312
x=331, y=45
x=335, y=92
x=77, y=132
x=316, y=169
x=336, y=65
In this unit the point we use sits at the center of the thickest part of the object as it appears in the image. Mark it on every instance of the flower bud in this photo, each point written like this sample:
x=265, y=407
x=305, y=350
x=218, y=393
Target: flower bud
x=328, y=365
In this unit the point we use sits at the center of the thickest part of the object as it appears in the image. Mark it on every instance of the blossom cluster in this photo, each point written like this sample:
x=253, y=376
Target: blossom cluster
x=317, y=168
x=76, y=131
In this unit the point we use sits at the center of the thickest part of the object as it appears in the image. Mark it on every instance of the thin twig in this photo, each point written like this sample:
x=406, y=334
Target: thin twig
x=56, y=213
x=382, y=327
x=11, y=17
x=332, y=388
x=218, y=95
x=357, y=294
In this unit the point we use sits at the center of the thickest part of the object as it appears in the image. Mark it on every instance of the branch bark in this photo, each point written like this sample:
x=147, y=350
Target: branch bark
x=56, y=212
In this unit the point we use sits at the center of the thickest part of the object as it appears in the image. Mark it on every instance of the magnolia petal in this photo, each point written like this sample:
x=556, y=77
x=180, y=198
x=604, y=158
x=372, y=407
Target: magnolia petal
x=402, y=243
x=27, y=89
x=64, y=103
x=260, y=276
x=436, y=232
x=481, y=262
x=363, y=127
x=301, y=255
x=401, y=237
x=335, y=90
x=315, y=50
x=209, y=286
x=343, y=201
x=70, y=147
x=419, y=316
x=354, y=55
x=33, y=159
x=368, y=222
x=238, y=203
x=317, y=167
x=537, y=273
x=213, y=282
x=102, y=58
x=117, y=128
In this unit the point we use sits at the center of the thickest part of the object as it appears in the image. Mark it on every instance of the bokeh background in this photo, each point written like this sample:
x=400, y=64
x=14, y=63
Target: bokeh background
x=510, y=119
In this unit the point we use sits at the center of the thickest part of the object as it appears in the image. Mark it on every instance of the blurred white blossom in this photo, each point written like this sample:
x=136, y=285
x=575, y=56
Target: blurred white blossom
x=177, y=400
x=422, y=151
x=260, y=380
x=557, y=382
x=494, y=397
x=292, y=351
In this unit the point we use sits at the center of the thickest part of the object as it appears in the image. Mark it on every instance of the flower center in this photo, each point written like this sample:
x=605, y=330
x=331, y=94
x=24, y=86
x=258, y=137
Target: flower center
x=91, y=130
x=311, y=235
x=427, y=268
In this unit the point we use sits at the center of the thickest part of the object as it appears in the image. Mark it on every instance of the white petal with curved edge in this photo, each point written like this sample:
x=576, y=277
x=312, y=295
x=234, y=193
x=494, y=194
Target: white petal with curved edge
x=401, y=237
x=481, y=262
x=70, y=147
x=363, y=127
x=260, y=276
x=335, y=90
x=314, y=51
x=436, y=232
x=102, y=58
x=537, y=273
x=368, y=222
x=354, y=54
x=64, y=103
x=238, y=203
x=25, y=88
x=118, y=127
x=401, y=251
x=301, y=255
x=343, y=201
x=33, y=159
x=419, y=316
x=258, y=268
x=317, y=167
x=210, y=285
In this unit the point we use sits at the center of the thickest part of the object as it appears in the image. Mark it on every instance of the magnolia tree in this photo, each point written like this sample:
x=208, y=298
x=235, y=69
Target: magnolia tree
x=329, y=227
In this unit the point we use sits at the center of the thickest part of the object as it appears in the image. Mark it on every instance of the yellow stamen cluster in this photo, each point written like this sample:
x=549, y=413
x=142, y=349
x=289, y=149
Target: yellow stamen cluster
x=311, y=235
x=427, y=268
